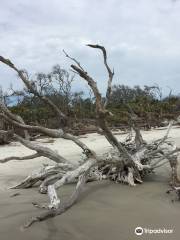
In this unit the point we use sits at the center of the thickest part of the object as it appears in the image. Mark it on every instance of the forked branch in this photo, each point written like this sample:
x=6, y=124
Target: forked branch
x=110, y=72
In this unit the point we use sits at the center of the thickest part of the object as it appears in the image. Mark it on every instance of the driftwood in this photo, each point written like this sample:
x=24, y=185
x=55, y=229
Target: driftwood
x=126, y=162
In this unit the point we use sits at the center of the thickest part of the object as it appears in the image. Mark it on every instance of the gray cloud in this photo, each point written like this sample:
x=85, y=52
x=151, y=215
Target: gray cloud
x=142, y=38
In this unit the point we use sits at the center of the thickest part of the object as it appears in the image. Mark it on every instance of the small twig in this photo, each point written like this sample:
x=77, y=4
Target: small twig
x=74, y=60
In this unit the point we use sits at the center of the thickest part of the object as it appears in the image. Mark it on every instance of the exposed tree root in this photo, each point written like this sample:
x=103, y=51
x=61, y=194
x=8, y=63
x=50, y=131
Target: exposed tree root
x=43, y=173
x=62, y=207
x=110, y=167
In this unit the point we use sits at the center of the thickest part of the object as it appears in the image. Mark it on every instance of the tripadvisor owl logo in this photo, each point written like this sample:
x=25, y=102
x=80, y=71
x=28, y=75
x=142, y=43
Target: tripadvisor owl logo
x=138, y=231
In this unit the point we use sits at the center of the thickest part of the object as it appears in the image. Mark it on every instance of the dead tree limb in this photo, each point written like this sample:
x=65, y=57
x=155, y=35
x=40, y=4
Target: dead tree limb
x=139, y=141
x=29, y=157
x=101, y=111
x=110, y=72
x=41, y=150
x=31, y=87
x=63, y=206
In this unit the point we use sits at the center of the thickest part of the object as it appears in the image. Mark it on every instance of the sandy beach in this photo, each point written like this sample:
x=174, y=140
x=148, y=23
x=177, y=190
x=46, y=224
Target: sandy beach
x=105, y=210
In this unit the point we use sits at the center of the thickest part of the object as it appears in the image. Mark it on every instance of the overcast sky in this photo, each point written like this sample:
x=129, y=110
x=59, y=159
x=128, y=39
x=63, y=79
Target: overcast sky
x=142, y=38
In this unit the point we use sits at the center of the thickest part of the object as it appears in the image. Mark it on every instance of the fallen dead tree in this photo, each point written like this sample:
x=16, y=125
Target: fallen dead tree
x=126, y=162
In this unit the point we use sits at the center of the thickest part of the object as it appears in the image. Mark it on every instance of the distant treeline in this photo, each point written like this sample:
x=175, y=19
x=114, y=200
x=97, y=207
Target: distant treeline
x=146, y=102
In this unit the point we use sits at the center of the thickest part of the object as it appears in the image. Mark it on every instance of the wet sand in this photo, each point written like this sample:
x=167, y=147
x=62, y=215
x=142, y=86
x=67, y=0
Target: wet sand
x=105, y=210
